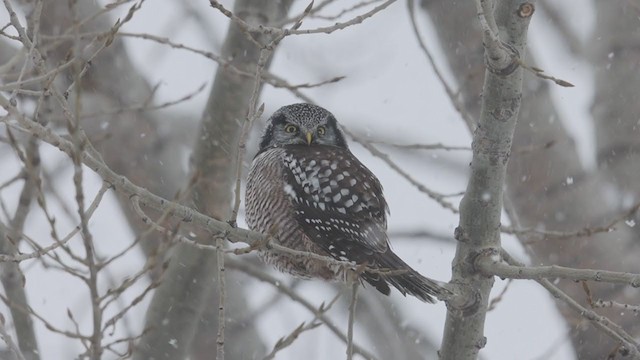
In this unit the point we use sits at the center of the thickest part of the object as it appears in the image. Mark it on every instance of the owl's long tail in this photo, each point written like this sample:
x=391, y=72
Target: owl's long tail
x=405, y=279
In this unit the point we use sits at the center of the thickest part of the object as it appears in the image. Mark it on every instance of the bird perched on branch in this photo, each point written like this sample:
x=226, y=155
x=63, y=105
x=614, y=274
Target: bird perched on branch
x=311, y=194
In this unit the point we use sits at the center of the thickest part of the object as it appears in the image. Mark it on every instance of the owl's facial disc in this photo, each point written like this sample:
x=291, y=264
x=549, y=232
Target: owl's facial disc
x=302, y=124
x=294, y=134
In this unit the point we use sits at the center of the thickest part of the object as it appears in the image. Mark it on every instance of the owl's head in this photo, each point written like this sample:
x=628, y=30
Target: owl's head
x=302, y=124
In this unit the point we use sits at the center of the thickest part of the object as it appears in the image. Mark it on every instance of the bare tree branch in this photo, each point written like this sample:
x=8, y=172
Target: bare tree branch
x=490, y=264
x=182, y=303
x=453, y=97
x=9, y=341
x=289, y=339
x=352, y=315
x=631, y=346
x=12, y=277
x=262, y=276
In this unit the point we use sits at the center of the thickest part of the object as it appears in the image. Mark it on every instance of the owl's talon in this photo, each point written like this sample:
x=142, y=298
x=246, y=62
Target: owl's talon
x=243, y=250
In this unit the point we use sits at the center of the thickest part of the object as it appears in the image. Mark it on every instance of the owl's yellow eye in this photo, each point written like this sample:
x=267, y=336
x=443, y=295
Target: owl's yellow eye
x=321, y=130
x=291, y=129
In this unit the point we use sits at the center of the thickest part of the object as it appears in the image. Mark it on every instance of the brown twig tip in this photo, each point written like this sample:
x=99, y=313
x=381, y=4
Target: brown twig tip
x=307, y=10
x=526, y=10
x=564, y=83
x=540, y=73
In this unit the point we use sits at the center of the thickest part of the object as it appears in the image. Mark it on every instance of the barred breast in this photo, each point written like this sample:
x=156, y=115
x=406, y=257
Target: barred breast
x=269, y=210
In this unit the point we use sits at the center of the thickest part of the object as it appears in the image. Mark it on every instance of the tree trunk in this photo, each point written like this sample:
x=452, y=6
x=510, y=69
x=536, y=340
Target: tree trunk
x=188, y=289
x=547, y=187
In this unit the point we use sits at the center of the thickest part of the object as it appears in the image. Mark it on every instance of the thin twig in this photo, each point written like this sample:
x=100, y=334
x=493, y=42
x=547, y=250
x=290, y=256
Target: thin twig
x=314, y=10
x=73, y=126
x=491, y=264
x=32, y=48
x=135, y=202
x=584, y=232
x=283, y=342
x=494, y=302
x=262, y=276
x=225, y=64
x=145, y=106
x=343, y=25
x=111, y=322
x=437, y=146
x=352, y=314
x=28, y=310
x=19, y=176
x=107, y=41
x=540, y=73
x=254, y=110
x=39, y=78
x=635, y=309
x=113, y=293
x=42, y=251
x=453, y=96
x=289, y=339
x=221, y=301
x=4, y=334
x=345, y=11
x=248, y=28
x=600, y=322
x=439, y=198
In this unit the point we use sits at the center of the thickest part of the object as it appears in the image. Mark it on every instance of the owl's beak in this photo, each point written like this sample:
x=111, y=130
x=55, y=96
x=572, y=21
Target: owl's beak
x=309, y=138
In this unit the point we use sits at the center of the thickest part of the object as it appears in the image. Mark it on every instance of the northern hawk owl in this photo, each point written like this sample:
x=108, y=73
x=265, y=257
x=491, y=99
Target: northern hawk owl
x=310, y=193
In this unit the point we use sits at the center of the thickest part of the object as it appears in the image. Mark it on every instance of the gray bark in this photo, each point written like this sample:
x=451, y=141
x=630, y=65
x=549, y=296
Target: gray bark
x=151, y=157
x=13, y=282
x=544, y=157
x=113, y=82
x=188, y=287
x=11, y=275
x=481, y=207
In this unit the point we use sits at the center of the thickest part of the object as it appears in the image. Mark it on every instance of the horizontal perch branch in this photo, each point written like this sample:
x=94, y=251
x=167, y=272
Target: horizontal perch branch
x=493, y=265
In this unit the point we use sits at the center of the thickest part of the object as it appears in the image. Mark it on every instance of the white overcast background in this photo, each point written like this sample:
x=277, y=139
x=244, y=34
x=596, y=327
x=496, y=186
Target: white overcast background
x=390, y=92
